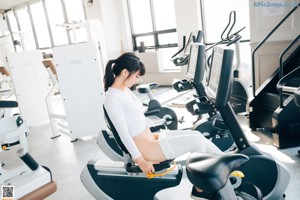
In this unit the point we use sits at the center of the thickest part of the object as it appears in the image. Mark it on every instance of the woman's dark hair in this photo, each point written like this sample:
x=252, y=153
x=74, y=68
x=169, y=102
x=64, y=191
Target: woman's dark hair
x=127, y=61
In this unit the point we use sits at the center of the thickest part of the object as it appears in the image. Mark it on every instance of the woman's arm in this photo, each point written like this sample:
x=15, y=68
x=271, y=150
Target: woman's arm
x=116, y=114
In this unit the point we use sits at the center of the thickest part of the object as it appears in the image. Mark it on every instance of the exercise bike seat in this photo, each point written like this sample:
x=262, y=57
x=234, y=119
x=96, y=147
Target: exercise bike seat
x=211, y=172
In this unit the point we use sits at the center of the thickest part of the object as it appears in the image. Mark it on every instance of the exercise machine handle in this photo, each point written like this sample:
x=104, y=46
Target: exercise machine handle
x=8, y=104
x=28, y=159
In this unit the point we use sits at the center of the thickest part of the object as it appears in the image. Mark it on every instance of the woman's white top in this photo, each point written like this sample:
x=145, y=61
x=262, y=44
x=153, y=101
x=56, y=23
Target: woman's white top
x=125, y=110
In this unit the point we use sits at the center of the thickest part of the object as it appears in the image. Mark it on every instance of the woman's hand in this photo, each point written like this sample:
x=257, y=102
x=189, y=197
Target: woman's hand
x=156, y=135
x=145, y=165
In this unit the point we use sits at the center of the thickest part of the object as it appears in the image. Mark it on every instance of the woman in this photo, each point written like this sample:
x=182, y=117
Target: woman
x=126, y=113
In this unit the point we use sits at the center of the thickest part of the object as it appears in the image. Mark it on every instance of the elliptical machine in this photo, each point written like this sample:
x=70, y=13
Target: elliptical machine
x=239, y=95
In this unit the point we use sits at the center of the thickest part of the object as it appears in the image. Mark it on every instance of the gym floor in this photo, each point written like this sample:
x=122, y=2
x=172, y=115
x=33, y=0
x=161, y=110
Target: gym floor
x=66, y=160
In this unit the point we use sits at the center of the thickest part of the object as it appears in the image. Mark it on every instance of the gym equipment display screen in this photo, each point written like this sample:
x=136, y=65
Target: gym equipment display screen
x=192, y=61
x=215, y=72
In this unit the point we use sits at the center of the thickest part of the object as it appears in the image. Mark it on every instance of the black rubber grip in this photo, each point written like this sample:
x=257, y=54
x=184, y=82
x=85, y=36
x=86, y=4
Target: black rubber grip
x=28, y=159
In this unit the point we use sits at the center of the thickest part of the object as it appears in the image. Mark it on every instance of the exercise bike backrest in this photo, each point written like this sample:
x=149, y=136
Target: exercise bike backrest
x=130, y=166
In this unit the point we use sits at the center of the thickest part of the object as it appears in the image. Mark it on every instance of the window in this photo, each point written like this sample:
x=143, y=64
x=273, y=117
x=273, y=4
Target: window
x=40, y=25
x=75, y=17
x=13, y=25
x=56, y=19
x=47, y=23
x=215, y=17
x=26, y=29
x=74, y=9
x=153, y=22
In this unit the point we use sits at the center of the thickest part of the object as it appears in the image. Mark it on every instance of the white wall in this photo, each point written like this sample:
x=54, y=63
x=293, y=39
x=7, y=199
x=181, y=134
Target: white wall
x=114, y=16
x=188, y=18
x=115, y=20
x=263, y=18
x=107, y=11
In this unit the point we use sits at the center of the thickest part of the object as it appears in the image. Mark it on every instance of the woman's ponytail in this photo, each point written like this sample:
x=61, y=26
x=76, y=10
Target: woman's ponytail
x=114, y=68
x=109, y=75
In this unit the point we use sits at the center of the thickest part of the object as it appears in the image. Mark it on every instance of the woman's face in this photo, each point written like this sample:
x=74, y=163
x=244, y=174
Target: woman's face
x=131, y=80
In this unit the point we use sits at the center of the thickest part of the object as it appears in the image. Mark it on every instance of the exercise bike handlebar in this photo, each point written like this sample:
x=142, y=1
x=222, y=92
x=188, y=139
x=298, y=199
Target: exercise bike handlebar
x=230, y=38
x=263, y=41
x=8, y=104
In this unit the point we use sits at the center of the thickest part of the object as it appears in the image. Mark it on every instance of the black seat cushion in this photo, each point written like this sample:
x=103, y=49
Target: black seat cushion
x=211, y=172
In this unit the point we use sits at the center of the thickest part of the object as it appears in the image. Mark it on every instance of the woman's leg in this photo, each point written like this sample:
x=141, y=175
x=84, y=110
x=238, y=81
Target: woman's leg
x=172, y=133
x=179, y=142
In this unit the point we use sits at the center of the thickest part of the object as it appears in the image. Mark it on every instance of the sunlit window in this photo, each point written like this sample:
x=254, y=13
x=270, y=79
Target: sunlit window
x=141, y=16
x=56, y=21
x=47, y=23
x=12, y=22
x=26, y=29
x=75, y=17
x=214, y=24
x=153, y=23
x=74, y=9
x=164, y=12
x=78, y=35
x=167, y=38
x=40, y=25
x=148, y=40
x=15, y=32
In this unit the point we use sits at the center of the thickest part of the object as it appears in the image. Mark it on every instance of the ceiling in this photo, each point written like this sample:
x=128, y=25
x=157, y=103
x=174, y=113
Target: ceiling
x=7, y=4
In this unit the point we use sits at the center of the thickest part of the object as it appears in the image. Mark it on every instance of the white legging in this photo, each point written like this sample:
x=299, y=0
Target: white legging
x=175, y=143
